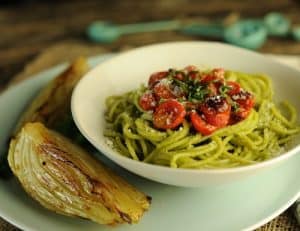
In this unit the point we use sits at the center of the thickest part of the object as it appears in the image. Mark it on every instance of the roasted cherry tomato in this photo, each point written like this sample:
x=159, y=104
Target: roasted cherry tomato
x=194, y=75
x=242, y=113
x=216, y=111
x=239, y=115
x=213, y=83
x=244, y=99
x=201, y=125
x=207, y=79
x=163, y=91
x=192, y=72
x=147, y=101
x=155, y=77
x=234, y=87
x=190, y=68
x=179, y=75
x=168, y=114
x=215, y=76
x=219, y=73
x=245, y=102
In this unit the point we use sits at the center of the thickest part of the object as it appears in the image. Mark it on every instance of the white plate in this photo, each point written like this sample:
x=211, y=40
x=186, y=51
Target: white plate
x=244, y=205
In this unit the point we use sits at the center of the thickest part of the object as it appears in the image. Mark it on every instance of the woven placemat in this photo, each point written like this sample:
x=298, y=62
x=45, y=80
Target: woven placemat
x=69, y=50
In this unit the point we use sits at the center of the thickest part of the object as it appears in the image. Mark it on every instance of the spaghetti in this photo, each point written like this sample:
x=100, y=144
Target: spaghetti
x=257, y=134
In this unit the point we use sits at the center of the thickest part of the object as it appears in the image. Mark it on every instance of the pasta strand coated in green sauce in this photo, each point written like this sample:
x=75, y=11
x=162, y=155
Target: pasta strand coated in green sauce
x=261, y=136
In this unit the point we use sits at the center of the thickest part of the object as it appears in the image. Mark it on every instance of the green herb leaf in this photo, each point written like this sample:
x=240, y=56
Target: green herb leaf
x=197, y=92
x=235, y=106
x=224, y=89
x=172, y=72
x=183, y=86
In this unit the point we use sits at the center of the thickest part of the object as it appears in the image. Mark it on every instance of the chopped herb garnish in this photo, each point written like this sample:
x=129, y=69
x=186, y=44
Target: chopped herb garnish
x=161, y=100
x=224, y=89
x=197, y=92
x=181, y=99
x=181, y=84
x=172, y=72
x=235, y=106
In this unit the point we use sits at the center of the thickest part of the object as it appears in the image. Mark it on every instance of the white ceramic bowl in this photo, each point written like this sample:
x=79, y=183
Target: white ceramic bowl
x=128, y=70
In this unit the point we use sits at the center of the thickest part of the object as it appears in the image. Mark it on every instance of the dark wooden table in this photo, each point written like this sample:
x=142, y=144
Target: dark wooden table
x=27, y=28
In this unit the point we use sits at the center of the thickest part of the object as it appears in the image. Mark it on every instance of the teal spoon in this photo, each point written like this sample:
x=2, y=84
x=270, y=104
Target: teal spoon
x=277, y=24
x=296, y=33
x=249, y=34
x=105, y=32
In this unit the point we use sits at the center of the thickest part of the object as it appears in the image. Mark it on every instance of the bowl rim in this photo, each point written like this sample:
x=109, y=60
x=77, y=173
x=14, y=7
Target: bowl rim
x=125, y=161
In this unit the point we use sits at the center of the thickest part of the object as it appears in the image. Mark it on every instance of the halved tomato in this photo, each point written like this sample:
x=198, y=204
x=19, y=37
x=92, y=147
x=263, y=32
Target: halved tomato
x=156, y=77
x=216, y=111
x=208, y=78
x=244, y=99
x=245, y=102
x=179, y=75
x=218, y=73
x=190, y=68
x=163, y=91
x=215, y=76
x=147, y=101
x=194, y=75
x=234, y=87
x=213, y=83
x=168, y=114
x=201, y=125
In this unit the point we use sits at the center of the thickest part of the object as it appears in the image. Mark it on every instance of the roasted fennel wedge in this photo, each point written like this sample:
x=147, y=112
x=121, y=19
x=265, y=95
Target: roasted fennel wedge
x=64, y=178
x=52, y=107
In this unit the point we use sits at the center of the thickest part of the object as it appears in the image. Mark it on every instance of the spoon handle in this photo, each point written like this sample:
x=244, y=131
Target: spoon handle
x=208, y=30
x=149, y=26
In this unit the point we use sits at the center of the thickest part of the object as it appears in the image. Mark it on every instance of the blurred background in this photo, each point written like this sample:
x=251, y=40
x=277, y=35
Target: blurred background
x=37, y=34
x=30, y=27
